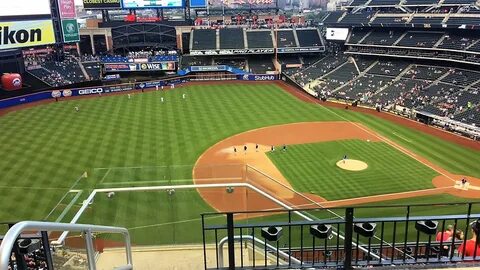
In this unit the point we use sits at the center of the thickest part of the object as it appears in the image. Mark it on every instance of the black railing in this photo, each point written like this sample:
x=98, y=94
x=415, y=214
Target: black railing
x=309, y=238
x=30, y=251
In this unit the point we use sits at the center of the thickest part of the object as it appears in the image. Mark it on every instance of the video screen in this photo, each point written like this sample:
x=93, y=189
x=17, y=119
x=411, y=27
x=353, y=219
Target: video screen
x=152, y=3
x=337, y=34
x=24, y=7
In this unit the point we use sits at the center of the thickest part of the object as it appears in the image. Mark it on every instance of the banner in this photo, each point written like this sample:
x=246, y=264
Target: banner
x=26, y=34
x=67, y=9
x=157, y=66
x=301, y=50
x=101, y=4
x=251, y=77
x=97, y=90
x=208, y=68
x=232, y=52
x=21, y=8
x=70, y=30
x=139, y=67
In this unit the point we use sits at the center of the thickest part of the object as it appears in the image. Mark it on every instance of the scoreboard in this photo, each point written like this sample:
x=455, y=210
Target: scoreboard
x=24, y=8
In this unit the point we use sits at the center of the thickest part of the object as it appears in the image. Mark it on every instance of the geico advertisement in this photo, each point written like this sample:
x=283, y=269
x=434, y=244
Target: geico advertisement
x=26, y=34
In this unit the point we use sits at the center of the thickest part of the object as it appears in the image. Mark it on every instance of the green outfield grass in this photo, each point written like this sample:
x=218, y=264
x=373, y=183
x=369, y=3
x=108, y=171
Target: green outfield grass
x=312, y=168
x=46, y=148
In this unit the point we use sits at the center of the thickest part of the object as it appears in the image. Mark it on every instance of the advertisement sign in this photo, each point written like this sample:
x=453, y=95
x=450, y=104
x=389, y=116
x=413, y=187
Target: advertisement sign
x=9, y=102
x=152, y=3
x=101, y=4
x=26, y=34
x=233, y=52
x=301, y=50
x=100, y=90
x=70, y=30
x=24, y=7
x=157, y=66
x=139, y=66
x=264, y=77
x=208, y=68
x=112, y=77
x=67, y=9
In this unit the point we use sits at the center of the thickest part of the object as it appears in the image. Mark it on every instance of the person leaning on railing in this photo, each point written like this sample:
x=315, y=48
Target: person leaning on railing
x=472, y=244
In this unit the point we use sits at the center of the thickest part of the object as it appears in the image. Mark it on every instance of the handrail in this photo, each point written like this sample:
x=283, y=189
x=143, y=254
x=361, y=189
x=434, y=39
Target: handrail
x=281, y=254
x=15, y=231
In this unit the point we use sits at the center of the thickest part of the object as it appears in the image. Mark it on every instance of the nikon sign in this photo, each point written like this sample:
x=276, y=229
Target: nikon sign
x=70, y=31
x=26, y=34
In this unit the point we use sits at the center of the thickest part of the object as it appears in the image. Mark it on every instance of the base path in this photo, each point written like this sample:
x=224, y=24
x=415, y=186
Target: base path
x=230, y=161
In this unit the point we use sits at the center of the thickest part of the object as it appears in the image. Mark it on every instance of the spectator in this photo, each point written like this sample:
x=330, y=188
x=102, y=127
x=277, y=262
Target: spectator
x=443, y=236
x=472, y=247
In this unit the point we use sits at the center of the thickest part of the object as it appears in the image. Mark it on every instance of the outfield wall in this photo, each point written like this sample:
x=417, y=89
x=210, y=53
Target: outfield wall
x=108, y=89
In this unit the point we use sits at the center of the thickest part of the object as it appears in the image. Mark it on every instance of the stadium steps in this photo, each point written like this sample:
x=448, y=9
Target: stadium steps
x=473, y=44
x=217, y=39
x=408, y=21
x=440, y=41
x=446, y=18
x=84, y=71
x=178, y=257
x=245, y=39
x=295, y=36
x=396, y=79
x=191, y=40
x=341, y=17
x=404, y=72
x=360, y=75
x=472, y=84
x=364, y=37
x=401, y=37
x=274, y=38
x=310, y=66
x=439, y=80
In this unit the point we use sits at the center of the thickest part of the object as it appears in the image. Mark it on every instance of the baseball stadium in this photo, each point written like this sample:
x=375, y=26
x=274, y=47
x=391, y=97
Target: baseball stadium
x=194, y=134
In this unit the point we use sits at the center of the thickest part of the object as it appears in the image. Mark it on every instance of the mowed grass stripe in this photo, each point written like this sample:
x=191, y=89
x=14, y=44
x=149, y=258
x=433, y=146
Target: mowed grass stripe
x=312, y=168
x=52, y=145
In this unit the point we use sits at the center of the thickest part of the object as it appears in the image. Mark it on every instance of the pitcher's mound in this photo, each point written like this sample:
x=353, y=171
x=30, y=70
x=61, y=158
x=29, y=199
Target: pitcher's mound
x=352, y=165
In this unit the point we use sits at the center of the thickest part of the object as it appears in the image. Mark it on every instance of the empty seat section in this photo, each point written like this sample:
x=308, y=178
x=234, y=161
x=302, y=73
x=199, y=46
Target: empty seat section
x=259, y=39
x=204, y=39
x=420, y=39
x=309, y=38
x=285, y=39
x=231, y=38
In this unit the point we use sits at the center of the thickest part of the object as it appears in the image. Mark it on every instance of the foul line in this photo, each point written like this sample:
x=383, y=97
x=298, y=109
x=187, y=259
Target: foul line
x=401, y=137
x=174, y=222
x=105, y=175
x=86, y=203
x=38, y=188
x=170, y=181
x=394, y=145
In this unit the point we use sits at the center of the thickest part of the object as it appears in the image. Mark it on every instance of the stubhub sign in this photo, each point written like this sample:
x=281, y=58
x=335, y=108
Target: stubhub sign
x=265, y=77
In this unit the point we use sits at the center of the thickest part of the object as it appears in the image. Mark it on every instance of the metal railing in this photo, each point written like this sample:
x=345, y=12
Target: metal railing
x=15, y=232
x=292, y=242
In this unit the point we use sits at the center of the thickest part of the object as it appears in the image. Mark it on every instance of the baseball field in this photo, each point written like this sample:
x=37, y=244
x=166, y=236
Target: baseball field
x=54, y=157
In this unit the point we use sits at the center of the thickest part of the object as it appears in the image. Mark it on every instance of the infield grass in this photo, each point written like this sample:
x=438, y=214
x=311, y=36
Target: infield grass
x=312, y=168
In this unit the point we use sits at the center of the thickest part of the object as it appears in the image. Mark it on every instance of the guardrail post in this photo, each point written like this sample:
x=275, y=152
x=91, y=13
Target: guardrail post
x=90, y=250
x=231, y=240
x=46, y=249
x=347, y=265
